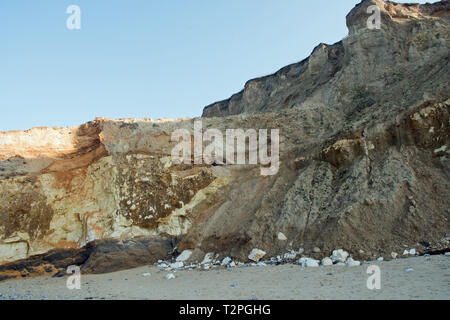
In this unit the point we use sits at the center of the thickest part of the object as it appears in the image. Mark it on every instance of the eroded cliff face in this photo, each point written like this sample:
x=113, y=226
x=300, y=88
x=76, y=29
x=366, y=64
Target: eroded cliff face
x=364, y=147
x=106, y=179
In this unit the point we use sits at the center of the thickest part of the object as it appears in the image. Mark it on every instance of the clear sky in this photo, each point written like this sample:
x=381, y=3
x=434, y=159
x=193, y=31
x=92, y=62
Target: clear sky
x=148, y=58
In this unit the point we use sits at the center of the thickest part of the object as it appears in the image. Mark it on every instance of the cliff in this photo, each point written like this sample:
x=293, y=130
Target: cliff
x=404, y=62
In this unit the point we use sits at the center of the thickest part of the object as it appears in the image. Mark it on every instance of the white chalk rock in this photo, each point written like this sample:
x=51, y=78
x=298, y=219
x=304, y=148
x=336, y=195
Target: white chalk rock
x=352, y=263
x=380, y=259
x=405, y=253
x=184, y=256
x=170, y=276
x=281, y=236
x=412, y=252
x=302, y=261
x=177, y=265
x=311, y=262
x=339, y=255
x=232, y=264
x=394, y=255
x=327, y=261
x=256, y=255
x=226, y=261
x=208, y=258
x=290, y=255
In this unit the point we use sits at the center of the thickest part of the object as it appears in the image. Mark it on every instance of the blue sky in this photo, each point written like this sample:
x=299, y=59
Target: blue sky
x=146, y=58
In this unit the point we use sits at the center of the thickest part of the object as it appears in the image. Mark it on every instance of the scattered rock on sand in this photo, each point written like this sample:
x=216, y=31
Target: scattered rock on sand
x=226, y=261
x=302, y=261
x=339, y=255
x=312, y=262
x=208, y=258
x=327, y=261
x=184, y=255
x=308, y=262
x=290, y=255
x=256, y=255
x=177, y=265
x=352, y=263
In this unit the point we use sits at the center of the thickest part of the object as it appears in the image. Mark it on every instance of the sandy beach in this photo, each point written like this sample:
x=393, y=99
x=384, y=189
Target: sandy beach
x=410, y=278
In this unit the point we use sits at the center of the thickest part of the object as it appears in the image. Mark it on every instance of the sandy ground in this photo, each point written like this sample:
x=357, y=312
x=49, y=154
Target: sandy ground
x=429, y=279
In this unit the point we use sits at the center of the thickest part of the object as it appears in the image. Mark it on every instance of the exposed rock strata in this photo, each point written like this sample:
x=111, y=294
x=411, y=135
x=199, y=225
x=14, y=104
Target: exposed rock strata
x=100, y=256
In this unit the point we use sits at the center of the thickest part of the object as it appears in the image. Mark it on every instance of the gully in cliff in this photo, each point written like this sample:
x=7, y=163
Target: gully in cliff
x=236, y=142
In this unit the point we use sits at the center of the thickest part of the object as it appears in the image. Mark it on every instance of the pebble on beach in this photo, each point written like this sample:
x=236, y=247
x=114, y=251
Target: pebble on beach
x=256, y=255
x=327, y=261
x=339, y=255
